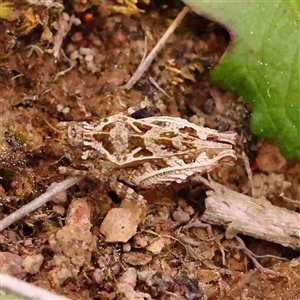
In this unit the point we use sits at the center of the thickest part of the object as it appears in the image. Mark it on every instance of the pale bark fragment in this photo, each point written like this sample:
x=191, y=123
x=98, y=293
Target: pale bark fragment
x=249, y=216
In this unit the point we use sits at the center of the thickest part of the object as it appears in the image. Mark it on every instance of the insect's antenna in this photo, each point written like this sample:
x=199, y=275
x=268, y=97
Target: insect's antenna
x=57, y=161
x=52, y=127
x=97, y=132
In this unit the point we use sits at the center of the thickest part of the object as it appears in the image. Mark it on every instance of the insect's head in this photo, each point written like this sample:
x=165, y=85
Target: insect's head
x=72, y=133
x=72, y=140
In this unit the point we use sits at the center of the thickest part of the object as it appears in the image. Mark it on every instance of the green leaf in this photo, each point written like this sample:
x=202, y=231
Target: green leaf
x=262, y=63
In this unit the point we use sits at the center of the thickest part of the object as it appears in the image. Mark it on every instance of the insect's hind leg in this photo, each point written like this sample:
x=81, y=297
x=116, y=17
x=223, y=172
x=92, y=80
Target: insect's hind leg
x=126, y=193
x=144, y=109
x=72, y=172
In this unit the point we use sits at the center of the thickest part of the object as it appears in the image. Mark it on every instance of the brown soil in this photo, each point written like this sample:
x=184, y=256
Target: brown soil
x=59, y=247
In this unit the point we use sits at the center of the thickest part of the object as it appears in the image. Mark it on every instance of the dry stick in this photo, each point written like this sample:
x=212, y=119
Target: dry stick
x=152, y=81
x=249, y=216
x=257, y=265
x=141, y=63
x=39, y=201
x=26, y=289
x=143, y=67
x=249, y=172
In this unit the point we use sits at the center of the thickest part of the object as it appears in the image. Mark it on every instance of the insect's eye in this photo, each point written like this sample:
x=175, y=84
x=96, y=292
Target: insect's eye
x=72, y=131
x=75, y=134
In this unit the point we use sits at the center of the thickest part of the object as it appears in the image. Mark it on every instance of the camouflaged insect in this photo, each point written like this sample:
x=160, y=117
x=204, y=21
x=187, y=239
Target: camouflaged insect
x=144, y=152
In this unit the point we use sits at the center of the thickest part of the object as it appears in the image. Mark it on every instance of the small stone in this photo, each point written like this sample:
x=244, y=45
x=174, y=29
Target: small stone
x=182, y=203
x=28, y=243
x=86, y=51
x=58, y=209
x=59, y=108
x=74, y=55
x=207, y=276
x=98, y=276
x=136, y=258
x=79, y=214
x=190, y=210
x=181, y=216
x=73, y=244
x=89, y=57
x=294, y=263
x=66, y=110
x=129, y=277
x=77, y=37
x=32, y=263
x=140, y=241
x=115, y=269
x=120, y=224
x=157, y=246
x=126, y=247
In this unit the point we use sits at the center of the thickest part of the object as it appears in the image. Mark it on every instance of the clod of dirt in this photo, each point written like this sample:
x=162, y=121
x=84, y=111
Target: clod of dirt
x=24, y=183
x=127, y=283
x=269, y=158
x=59, y=209
x=157, y=282
x=32, y=263
x=265, y=185
x=73, y=244
x=11, y=264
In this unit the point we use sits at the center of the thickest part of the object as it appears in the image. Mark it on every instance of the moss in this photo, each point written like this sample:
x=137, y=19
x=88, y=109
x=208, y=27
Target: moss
x=21, y=136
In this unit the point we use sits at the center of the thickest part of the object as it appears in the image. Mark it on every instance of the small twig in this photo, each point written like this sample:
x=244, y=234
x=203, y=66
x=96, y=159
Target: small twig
x=62, y=73
x=249, y=172
x=17, y=76
x=190, y=241
x=296, y=203
x=161, y=236
x=142, y=61
x=26, y=289
x=34, y=48
x=257, y=265
x=39, y=201
x=152, y=81
x=144, y=66
x=145, y=49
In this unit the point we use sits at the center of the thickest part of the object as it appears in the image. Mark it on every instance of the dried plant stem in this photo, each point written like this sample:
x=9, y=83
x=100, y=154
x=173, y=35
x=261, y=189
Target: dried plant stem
x=25, y=289
x=143, y=67
x=250, y=216
x=257, y=265
x=152, y=81
x=38, y=202
x=249, y=172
